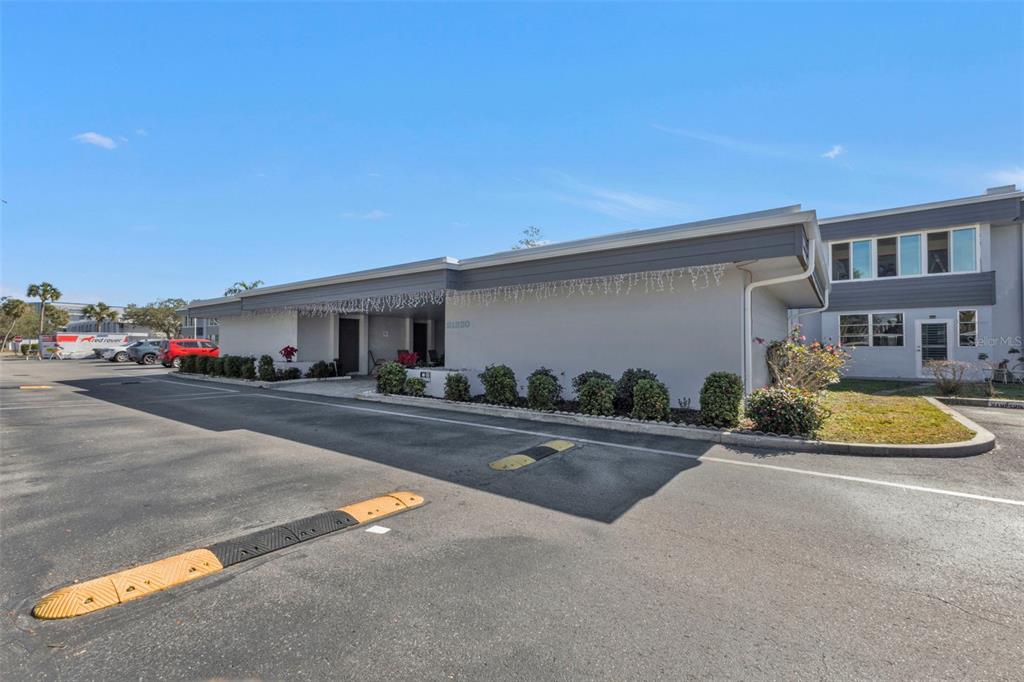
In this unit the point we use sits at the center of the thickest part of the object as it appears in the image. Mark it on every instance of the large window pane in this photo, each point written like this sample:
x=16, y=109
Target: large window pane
x=887, y=264
x=853, y=330
x=938, y=252
x=964, y=259
x=840, y=261
x=887, y=329
x=910, y=255
x=862, y=259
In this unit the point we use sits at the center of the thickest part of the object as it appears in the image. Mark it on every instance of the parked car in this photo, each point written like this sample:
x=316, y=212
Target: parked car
x=175, y=349
x=120, y=353
x=147, y=352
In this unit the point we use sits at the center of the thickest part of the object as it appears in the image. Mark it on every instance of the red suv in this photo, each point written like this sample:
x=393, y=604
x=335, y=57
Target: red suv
x=172, y=351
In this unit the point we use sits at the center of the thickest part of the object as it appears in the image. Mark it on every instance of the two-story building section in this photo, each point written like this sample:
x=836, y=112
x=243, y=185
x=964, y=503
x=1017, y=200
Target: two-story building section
x=934, y=281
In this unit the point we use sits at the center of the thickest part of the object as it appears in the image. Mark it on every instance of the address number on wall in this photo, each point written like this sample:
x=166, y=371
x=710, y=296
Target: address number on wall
x=456, y=324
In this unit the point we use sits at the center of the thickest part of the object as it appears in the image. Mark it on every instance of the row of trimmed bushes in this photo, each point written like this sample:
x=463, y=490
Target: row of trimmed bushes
x=637, y=393
x=238, y=367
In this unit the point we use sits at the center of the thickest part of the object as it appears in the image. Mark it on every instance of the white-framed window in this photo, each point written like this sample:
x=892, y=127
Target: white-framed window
x=967, y=328
x=931, y=252
x=871, y=329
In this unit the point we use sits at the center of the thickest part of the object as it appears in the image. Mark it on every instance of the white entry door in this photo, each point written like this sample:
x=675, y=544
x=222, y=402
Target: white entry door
x=933, y=339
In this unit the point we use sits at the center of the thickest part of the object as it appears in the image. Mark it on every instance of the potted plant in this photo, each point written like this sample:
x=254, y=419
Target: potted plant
x=408, y=359
x=288, y=352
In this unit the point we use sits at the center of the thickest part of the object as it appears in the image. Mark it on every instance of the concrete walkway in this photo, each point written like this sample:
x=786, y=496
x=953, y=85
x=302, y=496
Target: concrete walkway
x=333, y=389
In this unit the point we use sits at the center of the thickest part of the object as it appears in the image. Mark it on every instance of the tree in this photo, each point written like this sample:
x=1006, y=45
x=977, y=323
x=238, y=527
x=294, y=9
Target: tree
x=12, y=310
x=161, y=316
x=101, y=312
x=45, y=292
x=53, y=320
x=239, y=287
x=532, y=236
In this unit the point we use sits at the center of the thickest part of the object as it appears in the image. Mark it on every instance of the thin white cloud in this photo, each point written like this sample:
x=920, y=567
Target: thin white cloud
x=617, y=203
x=375, y=214
x=95, y=139
x=726, y=142
x=1009, y=176
x=141, y=132
x=835, y=151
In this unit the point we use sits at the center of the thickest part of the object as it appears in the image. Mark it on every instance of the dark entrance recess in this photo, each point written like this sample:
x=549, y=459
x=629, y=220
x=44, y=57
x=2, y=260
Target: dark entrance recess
x=419, y=340
x=348, y=346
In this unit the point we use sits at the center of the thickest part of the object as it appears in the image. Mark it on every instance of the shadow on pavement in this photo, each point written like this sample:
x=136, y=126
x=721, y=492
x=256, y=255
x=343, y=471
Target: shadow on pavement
x=593, y=481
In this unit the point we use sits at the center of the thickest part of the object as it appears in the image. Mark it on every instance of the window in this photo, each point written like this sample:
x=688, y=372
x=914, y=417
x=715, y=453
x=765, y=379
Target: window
x=887, y=257
x=853, y=330
x=862, y=259
x=964, y=256
x=840, y=261
x=188, y=344
x=967, y=321
x=938, y=252
x=887, y=329
x=910, y=255
x=874, y=329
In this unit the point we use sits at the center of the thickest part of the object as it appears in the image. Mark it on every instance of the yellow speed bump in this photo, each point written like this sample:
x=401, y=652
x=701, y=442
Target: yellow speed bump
x=379, y=507
x=34, y=388
x=531, y=455
x=139, y=581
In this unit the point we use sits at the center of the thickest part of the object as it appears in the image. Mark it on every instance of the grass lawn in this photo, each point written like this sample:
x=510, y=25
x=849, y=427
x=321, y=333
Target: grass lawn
x=974, y=389
x=862, y=418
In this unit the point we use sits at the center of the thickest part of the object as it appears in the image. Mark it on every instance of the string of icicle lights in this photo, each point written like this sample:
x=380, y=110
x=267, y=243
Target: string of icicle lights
x=673, y=280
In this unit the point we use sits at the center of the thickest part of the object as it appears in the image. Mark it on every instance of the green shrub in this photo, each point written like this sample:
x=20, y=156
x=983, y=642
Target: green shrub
x=266, y=369
x=249, y=368
x=543, y=389
x=188, y=364
x=597, y=396
x=650, y=400
x=320, y=370
x=456, y=387
x=627, y=384
x=27, y=348
x=390, y=378
x=580, y=379
x=289, y=374
x=202, y=364
x=721, y=398
x=786, y=410
x=216, y=367
x=233, y=366
x=414, y=386
x=499, y=385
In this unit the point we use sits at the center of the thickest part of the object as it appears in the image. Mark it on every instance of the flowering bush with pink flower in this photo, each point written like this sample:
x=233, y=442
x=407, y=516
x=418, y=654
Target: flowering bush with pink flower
x=808, y=366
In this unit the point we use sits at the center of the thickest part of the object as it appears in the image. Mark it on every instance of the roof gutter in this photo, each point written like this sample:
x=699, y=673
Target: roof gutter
x=748, y=315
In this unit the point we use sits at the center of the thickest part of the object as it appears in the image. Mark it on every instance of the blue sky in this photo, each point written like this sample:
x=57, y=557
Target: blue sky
x=167, y=150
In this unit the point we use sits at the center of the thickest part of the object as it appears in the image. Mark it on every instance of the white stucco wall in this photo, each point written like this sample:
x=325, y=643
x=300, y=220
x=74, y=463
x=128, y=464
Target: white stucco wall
x=388, y=335
x=317, y=338
x=681, y=336
x=258, y=335
x=770, y=323
x=901, y=361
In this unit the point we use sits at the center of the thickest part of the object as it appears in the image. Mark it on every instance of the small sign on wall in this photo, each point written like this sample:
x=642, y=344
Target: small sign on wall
x=456, y=324
x=425, y=376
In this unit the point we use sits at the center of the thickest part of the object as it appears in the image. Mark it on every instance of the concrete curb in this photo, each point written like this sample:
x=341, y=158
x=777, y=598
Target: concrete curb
x=983, y=440
x=984, y=402
x=257, y=384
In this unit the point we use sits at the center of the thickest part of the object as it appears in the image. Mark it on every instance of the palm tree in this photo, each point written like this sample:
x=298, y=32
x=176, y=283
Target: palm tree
x=15, y=309
x=45, y=292
x=239, y=287
x=101, y=312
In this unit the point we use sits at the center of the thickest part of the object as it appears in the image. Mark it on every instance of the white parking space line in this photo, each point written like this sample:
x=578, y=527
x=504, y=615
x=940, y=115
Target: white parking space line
x=638, y=448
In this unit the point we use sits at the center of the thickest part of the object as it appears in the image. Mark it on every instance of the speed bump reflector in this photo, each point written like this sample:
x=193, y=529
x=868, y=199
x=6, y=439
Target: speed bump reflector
x=78, y=599
x=511, y=462
x=385, y=505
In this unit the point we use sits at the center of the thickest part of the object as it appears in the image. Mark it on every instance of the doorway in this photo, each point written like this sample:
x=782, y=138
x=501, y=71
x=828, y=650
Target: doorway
x=932, y=342
x=419, y=340
x=348, y=346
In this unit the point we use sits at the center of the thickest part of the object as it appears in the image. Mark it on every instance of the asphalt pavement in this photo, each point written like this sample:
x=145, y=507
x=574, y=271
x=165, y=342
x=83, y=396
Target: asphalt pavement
x=625, y=557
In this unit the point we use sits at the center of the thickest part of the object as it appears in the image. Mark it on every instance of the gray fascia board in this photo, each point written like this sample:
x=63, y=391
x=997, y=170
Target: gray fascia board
x=981, y=198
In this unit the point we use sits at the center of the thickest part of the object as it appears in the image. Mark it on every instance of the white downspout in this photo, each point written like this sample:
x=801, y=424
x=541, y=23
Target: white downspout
x=748, y=314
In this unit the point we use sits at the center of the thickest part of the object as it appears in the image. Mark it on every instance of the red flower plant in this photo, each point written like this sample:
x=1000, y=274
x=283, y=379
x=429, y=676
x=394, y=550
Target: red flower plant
x=288, y=352
x=408, y=359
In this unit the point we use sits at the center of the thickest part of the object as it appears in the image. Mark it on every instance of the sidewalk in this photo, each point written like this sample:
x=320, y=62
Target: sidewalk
x=333, y=389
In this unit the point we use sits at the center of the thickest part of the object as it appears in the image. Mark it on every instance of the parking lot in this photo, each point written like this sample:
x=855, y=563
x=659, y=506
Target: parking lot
x=623, y=557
